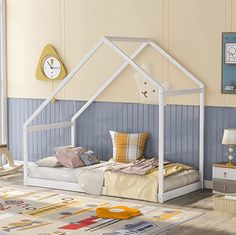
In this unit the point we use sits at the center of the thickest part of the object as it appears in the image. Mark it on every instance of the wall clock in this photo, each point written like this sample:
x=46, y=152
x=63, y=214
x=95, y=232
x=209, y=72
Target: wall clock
x=50, y=66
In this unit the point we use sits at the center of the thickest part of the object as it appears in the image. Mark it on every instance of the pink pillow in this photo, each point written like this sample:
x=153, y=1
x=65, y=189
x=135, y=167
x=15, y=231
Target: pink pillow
x=70, y=156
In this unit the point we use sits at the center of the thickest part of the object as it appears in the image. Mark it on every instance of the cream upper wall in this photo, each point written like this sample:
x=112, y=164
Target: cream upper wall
x=190, y=30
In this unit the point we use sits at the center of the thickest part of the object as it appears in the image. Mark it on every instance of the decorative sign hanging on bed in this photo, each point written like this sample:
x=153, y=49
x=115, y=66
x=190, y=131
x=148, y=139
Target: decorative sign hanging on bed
x=147, y=92
x=228, y=83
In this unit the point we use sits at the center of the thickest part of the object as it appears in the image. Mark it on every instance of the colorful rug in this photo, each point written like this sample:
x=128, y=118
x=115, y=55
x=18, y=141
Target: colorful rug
x=41, y=212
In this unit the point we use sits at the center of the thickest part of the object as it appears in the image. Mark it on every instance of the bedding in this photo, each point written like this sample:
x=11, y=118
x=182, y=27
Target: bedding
x=48, y=162
x=70, y=156
x=69, y=150
x=83, y=176
x=94, y=174
x=139, y=167
x=89, y=158
x=145, y=187
x=116, y=184
x=173, y=168
x=128, y=147
x=60, y=173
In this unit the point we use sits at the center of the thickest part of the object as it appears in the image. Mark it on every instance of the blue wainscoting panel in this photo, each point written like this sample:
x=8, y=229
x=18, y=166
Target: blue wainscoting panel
x=181, y=129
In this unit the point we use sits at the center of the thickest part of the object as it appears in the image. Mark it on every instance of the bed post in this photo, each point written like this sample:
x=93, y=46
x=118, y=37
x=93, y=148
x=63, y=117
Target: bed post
x=73, y=134
x=201, y=138
x=161, y=146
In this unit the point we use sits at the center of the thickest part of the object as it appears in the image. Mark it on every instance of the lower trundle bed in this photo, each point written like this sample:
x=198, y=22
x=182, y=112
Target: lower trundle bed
x=143, y=187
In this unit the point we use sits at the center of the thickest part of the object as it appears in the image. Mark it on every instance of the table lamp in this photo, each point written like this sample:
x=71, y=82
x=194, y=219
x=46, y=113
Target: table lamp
x=229, y=138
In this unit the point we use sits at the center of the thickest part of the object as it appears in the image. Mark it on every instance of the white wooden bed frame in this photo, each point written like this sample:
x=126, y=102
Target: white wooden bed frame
x=162, y=94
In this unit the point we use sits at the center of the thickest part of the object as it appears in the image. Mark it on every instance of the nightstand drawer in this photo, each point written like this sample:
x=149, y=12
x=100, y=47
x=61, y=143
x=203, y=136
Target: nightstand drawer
x=224, y=173
x=224, y=186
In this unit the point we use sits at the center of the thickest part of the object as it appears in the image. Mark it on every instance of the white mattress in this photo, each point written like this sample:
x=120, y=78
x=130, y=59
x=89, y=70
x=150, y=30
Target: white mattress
x=69, y=175
x=180, y=179
x=54, y=173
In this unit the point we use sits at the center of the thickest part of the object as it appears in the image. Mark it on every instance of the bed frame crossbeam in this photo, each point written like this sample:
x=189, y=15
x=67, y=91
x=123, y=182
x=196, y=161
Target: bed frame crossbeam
x=128, y=60
x=127, y=39
x=184, y=92
x=49, y=126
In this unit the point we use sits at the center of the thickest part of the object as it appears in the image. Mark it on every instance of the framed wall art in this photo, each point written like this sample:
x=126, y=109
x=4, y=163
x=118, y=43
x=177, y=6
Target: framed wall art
x=228, y=83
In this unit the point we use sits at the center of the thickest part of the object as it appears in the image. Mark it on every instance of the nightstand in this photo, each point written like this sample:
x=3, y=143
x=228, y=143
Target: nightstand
x=224, y=178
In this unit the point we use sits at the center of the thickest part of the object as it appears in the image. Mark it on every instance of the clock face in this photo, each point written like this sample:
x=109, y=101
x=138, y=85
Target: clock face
x=51, y=67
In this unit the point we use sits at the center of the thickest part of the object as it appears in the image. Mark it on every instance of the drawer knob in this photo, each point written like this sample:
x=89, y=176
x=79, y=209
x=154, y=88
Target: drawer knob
x=225, y=174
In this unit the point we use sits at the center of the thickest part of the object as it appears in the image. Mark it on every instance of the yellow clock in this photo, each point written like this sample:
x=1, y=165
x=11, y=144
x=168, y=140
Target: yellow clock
x=50, y=66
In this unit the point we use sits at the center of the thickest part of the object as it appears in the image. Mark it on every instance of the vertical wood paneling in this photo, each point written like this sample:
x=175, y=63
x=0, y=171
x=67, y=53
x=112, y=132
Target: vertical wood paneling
x=178, y=137
x=181, y=129
x=207, y=146
x=109, y=125
x=173, y=133
x=185, y=132
x=190, y=134
x=167, y=132
x=149, y=121
x=196, y=136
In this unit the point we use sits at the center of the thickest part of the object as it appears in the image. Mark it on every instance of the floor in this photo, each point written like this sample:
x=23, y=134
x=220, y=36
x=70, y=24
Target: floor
x=211, y=223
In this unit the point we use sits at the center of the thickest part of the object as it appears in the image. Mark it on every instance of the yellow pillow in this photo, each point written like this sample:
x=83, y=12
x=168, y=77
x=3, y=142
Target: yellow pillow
x=128, y=147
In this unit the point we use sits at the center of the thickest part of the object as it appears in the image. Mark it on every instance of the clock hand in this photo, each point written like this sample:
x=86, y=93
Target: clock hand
x=50, y=65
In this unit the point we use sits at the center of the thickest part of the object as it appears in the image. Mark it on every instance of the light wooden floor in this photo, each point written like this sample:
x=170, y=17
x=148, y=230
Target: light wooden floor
x=211, y=223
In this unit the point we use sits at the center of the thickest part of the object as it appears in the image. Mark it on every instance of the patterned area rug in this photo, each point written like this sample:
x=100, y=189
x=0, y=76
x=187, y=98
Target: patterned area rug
x=41, y=212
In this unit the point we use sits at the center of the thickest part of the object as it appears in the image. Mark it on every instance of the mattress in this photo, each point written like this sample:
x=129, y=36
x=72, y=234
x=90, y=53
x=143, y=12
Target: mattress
x=54, y=173
x=70, y=175
x=181, y=179
x=145, y=187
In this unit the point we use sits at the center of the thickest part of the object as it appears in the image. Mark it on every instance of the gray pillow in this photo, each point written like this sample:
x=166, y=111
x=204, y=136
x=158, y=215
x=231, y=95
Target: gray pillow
x=48, y=162
x=89, y=158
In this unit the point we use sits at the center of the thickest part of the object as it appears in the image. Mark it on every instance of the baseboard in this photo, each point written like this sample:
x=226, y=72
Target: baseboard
x=208, y=184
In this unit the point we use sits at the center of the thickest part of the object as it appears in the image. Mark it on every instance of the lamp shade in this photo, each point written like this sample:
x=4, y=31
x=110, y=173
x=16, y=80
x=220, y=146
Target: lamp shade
x=229, y=137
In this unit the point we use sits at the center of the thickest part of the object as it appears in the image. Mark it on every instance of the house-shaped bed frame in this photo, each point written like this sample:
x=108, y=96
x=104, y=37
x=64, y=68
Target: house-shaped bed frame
x=163, y=93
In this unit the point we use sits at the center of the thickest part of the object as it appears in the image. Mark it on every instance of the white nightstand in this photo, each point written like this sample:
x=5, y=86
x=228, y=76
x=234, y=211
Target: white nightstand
x=224, y=178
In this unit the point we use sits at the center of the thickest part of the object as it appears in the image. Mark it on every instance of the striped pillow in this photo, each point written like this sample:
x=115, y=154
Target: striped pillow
x=128, y=147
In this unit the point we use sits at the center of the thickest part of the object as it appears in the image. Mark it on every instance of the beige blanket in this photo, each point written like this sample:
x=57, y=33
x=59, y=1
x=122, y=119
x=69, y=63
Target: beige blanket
x=91, y=178
x=143, y=187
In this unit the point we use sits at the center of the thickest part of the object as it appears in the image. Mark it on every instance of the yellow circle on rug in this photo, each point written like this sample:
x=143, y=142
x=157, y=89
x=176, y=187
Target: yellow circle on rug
x=117, y=212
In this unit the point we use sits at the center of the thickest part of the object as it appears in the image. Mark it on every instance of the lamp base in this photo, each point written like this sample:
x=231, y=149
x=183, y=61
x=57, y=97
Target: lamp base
x=230, y=163
x=230, y=156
